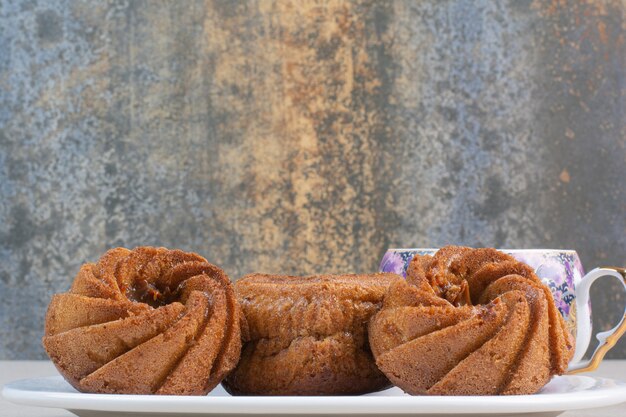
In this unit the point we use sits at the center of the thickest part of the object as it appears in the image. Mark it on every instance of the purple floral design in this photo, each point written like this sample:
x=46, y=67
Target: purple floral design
x=397, y=261
x=559, y=271
x=393, y=262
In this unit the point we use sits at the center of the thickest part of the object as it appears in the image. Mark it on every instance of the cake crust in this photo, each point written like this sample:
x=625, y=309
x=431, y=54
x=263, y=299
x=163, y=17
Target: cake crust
x=470, y=322
x=145, y=321
x=308, y=335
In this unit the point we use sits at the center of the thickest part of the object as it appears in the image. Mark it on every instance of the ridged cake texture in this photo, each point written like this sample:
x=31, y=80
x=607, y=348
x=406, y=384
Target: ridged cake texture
x=308, y=335
x=145, y=321
x=470, y=322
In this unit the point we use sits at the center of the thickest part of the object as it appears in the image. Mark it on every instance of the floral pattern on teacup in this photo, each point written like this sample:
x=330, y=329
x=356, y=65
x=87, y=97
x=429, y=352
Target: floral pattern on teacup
x=398, y=261
x=549, y=267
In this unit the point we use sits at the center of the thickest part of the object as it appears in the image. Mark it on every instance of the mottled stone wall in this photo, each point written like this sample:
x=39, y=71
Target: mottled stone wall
x=304, y=137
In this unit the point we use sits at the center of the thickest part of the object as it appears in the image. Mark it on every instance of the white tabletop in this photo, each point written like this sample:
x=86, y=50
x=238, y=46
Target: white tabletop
x=12, y=370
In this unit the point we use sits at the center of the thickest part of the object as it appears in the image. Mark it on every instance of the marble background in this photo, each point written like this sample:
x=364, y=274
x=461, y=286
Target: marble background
x=304, y=137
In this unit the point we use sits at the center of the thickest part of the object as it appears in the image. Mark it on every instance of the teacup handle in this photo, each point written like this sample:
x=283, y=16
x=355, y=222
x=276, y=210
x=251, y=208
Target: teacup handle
x=607, y=339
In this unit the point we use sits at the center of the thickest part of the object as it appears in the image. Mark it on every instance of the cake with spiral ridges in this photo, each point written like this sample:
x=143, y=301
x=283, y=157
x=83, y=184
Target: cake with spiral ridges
x=470, y=322
x=145, y=321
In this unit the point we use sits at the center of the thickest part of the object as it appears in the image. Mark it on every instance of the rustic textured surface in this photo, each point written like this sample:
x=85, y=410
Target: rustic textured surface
x=302, y=138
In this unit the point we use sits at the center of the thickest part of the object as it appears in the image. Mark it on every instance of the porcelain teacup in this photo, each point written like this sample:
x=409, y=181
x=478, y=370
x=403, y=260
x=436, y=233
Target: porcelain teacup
x=562, y=271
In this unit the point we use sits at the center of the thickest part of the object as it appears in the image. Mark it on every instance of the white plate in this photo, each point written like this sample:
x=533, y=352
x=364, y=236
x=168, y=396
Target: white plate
x=561, y=394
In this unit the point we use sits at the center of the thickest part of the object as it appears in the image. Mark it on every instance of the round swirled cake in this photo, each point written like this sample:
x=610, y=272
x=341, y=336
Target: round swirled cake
x=470, y=322
x=145, y=321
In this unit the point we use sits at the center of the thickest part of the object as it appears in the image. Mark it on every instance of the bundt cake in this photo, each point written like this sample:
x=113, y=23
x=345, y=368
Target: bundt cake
x=308, y=335
x=145, y=321
x=470, y=322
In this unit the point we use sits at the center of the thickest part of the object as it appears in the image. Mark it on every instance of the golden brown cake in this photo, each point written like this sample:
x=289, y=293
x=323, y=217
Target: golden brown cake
x=145, y=321
x=308, y=335
x=470, y=322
